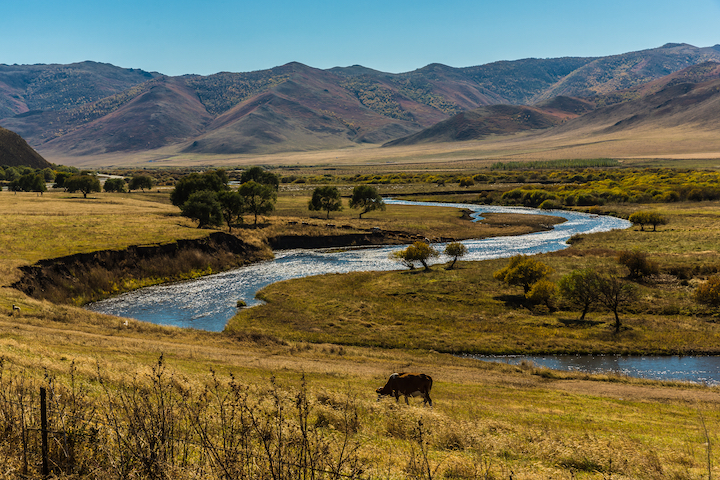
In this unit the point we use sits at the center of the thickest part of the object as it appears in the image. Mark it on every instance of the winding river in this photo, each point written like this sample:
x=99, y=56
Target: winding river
x=209, y=302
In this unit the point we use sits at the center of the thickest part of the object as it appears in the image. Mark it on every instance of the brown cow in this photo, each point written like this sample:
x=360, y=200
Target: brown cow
x=408, y=385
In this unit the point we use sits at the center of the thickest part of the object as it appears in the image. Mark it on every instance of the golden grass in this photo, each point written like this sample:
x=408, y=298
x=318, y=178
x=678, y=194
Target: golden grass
x=489, y=420
x=701, y=147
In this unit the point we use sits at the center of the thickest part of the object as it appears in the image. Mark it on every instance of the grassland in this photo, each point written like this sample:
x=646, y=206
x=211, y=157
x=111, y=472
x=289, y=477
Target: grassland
x=489, y=420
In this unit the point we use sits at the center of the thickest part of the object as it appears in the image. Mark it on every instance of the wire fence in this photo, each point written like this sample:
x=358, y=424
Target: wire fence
x=156, y=427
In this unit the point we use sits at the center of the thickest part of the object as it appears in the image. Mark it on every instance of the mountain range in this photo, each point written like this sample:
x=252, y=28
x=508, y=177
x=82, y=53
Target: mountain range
x=92, y=108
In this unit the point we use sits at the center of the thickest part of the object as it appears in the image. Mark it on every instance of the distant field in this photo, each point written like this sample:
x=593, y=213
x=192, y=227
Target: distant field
x=669, y=146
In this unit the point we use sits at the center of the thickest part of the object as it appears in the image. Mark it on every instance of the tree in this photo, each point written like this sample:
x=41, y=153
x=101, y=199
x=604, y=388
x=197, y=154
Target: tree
x=214, y=181
x=263, y=177
x=580, y=288
x=417, y=252
x=233, y=207
x=140, y=182
x=637, y=263
x=455, y=250
x=29, y=182
x=523, y=271
x=60, y=179
x=258, y=198
x=614, y=293
x=325, y=198
x=82, y=183
x=708, y=293
x=366, y=198
x=114, y=185
x=647, y=218
x=204, y=207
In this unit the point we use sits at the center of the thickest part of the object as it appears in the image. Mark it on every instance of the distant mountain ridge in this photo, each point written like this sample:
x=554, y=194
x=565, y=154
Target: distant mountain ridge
x=92, y=108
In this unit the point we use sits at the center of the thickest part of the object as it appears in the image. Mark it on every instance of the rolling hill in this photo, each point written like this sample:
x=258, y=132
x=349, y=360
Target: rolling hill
x=93, y=109
x=15, y=152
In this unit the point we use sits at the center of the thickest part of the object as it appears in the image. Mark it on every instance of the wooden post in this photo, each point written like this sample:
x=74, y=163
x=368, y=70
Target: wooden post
x=44, y=431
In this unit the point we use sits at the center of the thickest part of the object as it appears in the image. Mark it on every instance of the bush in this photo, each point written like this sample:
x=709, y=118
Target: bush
x=523, y=271
x=637, y=263
x=543, y=292
x=708, y=293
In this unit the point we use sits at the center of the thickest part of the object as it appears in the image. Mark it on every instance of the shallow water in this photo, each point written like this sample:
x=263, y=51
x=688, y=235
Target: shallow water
x=207, y=303
x=698, y=369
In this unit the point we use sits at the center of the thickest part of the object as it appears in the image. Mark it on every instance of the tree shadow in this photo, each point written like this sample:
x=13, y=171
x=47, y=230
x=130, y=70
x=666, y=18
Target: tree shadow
x=577, y=323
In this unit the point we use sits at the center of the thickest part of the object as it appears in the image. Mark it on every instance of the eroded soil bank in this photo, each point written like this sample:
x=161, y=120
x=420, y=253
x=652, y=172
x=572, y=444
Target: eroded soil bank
x=86, y=277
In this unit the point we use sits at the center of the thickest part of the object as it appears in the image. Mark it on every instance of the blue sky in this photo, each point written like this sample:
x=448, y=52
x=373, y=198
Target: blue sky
x=205, y=37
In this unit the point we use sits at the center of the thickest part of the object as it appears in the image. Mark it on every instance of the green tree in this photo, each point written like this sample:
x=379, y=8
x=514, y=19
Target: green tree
x=417, y=252
x=523, y=271
x=233, y=207
x=29, y=182
x=82, y=183
x=261, y=176
x=60, y=179
x=114, y=185
x=647, y=218
x=614, y=293
x=366, y=198
x=580, y=288
x=214, y=181
x=708, y=293
x=259, y=199
x=204, y=207
x=326, y=199
x=140, y=182
x=455, y=250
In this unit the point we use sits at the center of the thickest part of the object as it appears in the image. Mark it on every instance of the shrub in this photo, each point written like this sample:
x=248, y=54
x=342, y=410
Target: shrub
x=708, y=293
x=637, y=263
x=523, y=271
x=543, y=292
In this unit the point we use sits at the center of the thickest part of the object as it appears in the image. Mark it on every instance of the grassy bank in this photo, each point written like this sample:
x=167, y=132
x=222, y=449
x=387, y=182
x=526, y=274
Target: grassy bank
x=467, y=310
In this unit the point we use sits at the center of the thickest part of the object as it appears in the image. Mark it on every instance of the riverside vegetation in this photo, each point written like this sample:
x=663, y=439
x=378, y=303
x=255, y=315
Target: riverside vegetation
x=287, y=390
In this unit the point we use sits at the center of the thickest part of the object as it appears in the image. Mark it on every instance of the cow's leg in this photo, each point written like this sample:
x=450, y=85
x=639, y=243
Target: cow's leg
x=397, y=396
x=427, y=398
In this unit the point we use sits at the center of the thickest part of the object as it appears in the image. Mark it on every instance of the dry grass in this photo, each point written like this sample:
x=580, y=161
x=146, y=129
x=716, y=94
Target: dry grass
x=489, y=420
x=669, y=145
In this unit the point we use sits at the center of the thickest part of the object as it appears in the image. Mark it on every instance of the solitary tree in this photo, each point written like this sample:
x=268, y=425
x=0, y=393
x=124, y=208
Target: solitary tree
x=580, y=288
x=366, y=198
x=114, y=185
x=523, y=271
x=82, y=183
x=614, y=293
x=203, y=207
x=140, y=182
x=647, y=218
x=417, y=252
x=325, y=198
x=455, y=250
x=233, y=207
x=258, y=198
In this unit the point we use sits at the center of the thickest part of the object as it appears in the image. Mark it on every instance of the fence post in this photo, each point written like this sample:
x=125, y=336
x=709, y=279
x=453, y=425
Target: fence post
x=44, y=430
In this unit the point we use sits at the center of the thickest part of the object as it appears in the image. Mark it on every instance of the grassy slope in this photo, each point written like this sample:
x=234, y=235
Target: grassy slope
x=488, y=418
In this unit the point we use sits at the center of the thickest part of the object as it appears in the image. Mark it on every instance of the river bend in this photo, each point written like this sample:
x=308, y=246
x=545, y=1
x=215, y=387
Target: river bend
x=207, y=303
